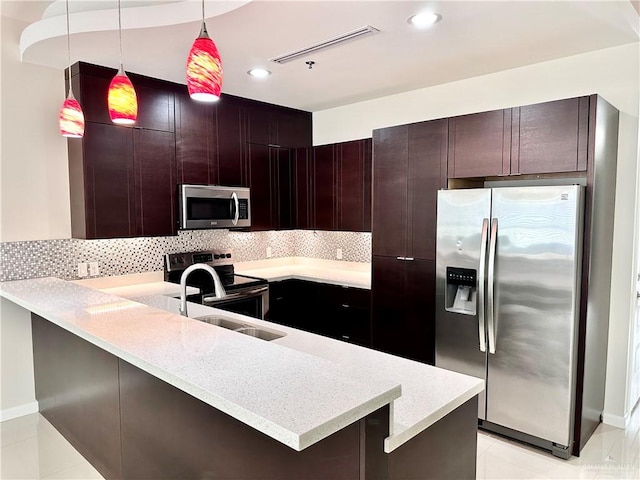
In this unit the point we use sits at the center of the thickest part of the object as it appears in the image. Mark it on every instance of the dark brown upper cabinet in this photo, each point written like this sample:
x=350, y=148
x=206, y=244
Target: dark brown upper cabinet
x=154, y=182
x=409, y=168
x=122, y=182
x=332, y=186
x=550, y=137
x=354, y=186
x=196, y=141
x=480, y=144
x=302, y=163
x=124, y=179
x=324, y=198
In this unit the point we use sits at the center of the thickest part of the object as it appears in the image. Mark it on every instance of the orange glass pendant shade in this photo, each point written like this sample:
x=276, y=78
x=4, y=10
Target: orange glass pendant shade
x=204, y=69
x=122, y=100
x=71, y=118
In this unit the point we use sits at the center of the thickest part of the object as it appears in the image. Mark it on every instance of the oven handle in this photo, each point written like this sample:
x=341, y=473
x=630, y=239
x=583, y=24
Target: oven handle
x=231, y=296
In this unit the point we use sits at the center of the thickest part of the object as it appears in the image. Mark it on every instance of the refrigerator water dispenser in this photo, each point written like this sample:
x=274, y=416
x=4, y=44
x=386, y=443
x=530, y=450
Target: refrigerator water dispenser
x=461, y=291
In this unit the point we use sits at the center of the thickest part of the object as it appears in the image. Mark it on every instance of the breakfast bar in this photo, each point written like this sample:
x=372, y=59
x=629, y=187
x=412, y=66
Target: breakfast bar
x=143, y=392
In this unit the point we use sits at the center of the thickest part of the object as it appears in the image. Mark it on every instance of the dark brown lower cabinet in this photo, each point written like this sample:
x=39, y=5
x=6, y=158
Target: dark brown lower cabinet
x=334, y=311
x=131, y=425
x=77, y=388
x=403, y=307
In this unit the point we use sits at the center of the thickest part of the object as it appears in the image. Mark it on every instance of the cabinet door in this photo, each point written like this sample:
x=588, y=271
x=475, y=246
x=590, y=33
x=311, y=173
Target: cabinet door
x=155, y=105
x=420, y=292
x=155, y=182
x=324, y=197
x=302, y=181
x=354, y=186
x=390, y=157
x=294, y=128
x=108, y=156
x=196, y=141
x=551, y=137
x=231, y=135
x=261, y=186
x=480, y=144
x=427, y=152
x=282, y=184
x=403, y=296
x=345, y=313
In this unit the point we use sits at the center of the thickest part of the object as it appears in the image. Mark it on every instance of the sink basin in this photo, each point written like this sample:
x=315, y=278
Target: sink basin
x=222, y=322
x=259, y=333
x=240, y=327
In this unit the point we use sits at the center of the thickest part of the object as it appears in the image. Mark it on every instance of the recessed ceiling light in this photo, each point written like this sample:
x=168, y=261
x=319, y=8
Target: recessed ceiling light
x=259, y=72
x=425, y=19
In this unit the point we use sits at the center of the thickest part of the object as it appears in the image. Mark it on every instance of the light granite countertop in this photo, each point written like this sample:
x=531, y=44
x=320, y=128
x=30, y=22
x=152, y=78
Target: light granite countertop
x=303, y=386
x=285, y=393
x=349, y=274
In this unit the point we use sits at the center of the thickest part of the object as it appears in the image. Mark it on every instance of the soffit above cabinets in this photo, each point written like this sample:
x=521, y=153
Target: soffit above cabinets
x=473, y=38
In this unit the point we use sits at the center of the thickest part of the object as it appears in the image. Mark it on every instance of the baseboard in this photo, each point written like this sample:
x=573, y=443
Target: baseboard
x=615, y=420
x=19, y=411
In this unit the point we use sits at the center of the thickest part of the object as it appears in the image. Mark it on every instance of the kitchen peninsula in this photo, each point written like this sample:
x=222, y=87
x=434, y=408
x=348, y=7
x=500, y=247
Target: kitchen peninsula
x=145, y=393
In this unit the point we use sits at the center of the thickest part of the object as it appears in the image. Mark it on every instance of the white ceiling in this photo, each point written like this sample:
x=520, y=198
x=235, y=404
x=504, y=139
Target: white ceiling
x=473, y=38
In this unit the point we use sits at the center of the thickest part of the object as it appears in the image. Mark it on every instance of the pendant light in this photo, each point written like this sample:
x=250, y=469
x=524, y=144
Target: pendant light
x=204, y=68
x=70, y=117
x=121, y=99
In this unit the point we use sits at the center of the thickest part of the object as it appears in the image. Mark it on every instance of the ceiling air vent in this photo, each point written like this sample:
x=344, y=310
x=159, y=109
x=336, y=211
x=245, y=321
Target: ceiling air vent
x=360, y=32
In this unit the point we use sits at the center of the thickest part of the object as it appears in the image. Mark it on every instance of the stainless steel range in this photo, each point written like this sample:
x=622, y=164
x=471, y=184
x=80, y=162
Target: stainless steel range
x=246, y=295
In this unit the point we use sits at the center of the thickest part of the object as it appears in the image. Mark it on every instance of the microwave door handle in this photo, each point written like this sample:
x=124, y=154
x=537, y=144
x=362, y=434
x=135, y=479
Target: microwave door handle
x=236, y=208
x=481, y=282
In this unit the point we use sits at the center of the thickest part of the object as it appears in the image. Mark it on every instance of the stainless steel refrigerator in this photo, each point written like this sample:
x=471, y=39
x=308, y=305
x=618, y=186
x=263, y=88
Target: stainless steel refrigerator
x=507, y=307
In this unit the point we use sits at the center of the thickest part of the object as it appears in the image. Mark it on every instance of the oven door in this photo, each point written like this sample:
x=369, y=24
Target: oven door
x=209, y=206
x=252, y=302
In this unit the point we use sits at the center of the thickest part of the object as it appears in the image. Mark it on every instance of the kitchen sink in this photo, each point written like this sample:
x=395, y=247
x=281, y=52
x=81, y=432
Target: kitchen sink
x=240, y=327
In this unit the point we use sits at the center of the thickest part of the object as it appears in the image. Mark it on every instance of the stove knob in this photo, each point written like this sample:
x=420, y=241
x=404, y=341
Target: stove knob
x=216, y=256
x=228, y=255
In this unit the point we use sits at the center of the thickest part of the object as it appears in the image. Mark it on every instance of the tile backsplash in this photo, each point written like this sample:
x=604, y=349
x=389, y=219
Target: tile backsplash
x=60, y=258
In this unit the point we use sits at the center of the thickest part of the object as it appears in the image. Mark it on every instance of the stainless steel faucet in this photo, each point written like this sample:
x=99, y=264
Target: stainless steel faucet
x=217, y=285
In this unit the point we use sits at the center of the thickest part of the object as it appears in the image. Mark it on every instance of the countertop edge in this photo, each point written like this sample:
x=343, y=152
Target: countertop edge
x=394, y=441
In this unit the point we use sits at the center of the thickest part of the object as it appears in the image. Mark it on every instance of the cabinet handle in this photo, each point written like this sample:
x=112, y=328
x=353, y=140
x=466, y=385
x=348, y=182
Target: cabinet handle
x=401, y=258
x=345, y=305
x=406, y=259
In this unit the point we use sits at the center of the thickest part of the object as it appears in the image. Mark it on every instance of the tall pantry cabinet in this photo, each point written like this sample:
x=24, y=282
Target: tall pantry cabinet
x=409, y=167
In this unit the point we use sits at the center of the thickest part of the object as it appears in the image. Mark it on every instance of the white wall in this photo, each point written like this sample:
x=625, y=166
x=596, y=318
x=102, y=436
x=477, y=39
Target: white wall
x=17, y=396
x=612, y=73
x=34, y=155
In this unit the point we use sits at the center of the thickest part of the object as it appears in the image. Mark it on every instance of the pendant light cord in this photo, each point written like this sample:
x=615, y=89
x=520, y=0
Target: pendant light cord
x=120, y=34
x=68, y=48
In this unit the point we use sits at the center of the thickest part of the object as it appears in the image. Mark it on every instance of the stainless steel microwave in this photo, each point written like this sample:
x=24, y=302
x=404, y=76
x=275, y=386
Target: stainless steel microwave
x=213, y=206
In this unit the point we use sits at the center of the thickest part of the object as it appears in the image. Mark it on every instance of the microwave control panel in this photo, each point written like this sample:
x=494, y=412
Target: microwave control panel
x=243, y=208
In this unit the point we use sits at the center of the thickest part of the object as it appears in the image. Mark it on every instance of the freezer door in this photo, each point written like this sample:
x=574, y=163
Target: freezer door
x=460, y=335
x=531, y=376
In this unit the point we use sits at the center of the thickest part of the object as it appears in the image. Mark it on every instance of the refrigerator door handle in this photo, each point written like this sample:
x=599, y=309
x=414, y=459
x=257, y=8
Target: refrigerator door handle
x=491, y=316
x=481, y=281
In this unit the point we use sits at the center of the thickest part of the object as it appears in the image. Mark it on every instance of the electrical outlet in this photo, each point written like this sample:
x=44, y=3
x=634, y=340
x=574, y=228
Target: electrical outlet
x=339, y=254
x=82, y=270
x=94, y=269
x=269, y=253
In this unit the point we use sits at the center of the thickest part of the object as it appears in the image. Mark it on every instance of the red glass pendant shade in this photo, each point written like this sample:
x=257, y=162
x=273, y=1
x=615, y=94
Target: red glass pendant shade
x=122, y=100
x=71, y=118
x=204, y=69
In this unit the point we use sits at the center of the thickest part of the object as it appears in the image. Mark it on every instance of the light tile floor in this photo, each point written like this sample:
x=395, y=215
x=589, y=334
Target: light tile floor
x=32, y=449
